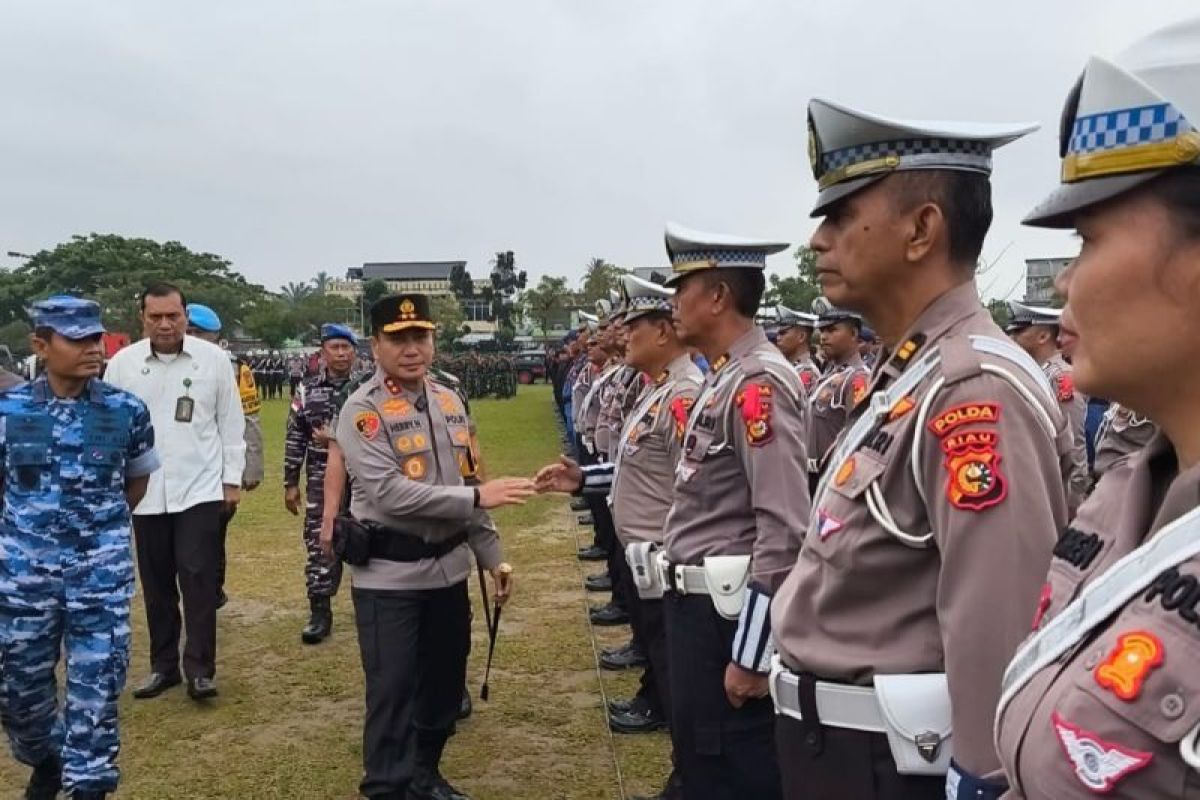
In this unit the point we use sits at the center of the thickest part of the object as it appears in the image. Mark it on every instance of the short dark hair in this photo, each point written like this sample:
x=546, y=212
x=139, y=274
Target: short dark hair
x=161, y=289
x=746, y=286
x=1179, y=191
x=965, y=199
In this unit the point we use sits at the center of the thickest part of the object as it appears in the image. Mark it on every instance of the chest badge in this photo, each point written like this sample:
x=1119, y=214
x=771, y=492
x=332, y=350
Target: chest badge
x=844, y=471
x=1099, y=765
x=1136, y=655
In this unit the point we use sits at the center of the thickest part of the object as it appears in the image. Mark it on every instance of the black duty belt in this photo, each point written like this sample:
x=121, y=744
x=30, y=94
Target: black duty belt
x=389, y=544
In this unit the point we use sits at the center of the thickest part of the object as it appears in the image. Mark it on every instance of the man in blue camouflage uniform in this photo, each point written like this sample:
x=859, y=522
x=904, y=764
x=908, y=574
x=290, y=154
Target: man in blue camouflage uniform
x=308, y=433
x=77, y=454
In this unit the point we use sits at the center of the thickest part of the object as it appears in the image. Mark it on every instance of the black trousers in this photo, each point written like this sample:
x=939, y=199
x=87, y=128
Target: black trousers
x=721, y=752
x=227, y=514
x=650, y=636
x=604, y=533
x=177, y=557
x=840, y=763
x=414, y=646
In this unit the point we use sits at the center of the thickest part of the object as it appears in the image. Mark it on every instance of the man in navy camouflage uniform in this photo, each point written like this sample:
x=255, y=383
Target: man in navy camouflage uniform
x=77, y=454
x=308, y=433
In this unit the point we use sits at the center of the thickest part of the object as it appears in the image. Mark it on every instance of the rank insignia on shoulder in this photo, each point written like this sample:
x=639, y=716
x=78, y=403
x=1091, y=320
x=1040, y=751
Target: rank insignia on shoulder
x=1099, y=765
x=1066, y=388
x=965, y=414
x=900, y=408
x=975, y=481
x=844, y=471
x=414, y=467
x=755, y=403
x=367, y=423
x=1136, y=654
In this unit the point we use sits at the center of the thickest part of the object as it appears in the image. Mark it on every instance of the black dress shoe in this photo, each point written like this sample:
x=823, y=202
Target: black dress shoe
x=579, y=504
x=598, y=583
x=623, y=658
x=156, y=684
x=608, y=615
x=222, y=598
x=201, y=688
x=88, y=795
x=430, y=785
x=45, y=781
x=621, y=705
x=593, y=553
x=639, y=719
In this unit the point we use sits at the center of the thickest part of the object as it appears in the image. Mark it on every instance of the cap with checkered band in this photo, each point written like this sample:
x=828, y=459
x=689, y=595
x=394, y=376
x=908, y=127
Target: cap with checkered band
x=691, y=251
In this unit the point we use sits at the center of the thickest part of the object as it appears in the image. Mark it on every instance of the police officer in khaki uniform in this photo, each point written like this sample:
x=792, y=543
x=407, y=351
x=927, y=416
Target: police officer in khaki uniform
x=737, y=520
x=639, y=481
x=843, y=384
x=1035, y=329
x=407, y=446
x=1104, y=699
x=939, y=504
x=794, y=338
x=1122, y=432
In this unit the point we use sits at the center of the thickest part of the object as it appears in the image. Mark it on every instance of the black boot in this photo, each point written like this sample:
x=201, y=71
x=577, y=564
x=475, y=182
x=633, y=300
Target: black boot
x=320, y=622
x=45, y=781
x=427, y=782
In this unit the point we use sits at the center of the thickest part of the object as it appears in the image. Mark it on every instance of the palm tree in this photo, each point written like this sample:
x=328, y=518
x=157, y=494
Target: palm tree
x=295, y=292
x=321, y=282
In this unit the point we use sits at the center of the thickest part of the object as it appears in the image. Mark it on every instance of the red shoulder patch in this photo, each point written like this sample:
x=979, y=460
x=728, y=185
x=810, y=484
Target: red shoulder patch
x=858, y=387
x=680, y=407
x=1066, y=387
x=807, y=379
x=964, y=414
x=754, y=400
x=975, y=482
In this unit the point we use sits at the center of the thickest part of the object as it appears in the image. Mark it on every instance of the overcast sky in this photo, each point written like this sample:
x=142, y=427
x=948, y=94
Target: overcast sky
x=293, y=136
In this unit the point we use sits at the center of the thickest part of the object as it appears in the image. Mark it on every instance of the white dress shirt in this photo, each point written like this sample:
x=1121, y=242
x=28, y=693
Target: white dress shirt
x=197, y=456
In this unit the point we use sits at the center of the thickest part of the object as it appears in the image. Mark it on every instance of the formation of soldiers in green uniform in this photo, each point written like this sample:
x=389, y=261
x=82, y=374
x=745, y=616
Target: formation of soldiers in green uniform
x=481, y=374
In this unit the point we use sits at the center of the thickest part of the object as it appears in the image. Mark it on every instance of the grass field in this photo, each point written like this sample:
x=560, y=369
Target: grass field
x=288, y=721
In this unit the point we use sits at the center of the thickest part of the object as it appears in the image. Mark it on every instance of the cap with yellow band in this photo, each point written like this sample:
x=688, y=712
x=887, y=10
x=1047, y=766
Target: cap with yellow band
x=398, y=312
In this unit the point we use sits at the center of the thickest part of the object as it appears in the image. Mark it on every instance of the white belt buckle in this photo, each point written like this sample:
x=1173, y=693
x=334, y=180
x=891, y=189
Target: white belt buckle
x=680, y=583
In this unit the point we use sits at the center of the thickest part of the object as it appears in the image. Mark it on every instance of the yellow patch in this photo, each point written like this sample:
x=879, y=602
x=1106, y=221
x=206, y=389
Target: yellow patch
x=414, y=467
x=398, y=406
x=844, y=471
x=419, y=440
x=462, y=437
x=902, y=406
x=404, y=444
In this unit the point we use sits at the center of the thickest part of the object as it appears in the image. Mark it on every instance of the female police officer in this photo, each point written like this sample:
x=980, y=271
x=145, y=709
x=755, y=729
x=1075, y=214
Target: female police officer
x=1104, y=698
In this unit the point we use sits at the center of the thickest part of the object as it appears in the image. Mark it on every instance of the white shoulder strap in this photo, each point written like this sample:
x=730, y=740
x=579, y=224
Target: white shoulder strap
x=1115, y=587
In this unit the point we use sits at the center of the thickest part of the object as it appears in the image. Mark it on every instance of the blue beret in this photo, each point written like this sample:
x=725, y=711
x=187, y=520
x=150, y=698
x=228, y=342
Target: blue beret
x=203, y=317
x=866, y=334
x=331, y=330
x=67, y=316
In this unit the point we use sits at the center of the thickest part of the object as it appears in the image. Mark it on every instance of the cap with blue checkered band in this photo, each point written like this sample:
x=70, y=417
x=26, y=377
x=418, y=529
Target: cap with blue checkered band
x=588, y=322
x=851, y=149
x=1021, y=316
x=789, y=318
x=644, y=297
x=71, y=317
x=1127, y=121
x=691, y=251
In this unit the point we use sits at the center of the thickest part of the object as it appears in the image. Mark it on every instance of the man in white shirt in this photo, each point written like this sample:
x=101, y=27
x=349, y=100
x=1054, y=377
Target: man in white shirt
x=197, y=414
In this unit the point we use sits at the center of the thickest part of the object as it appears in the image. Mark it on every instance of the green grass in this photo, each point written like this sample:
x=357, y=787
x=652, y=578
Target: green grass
x=288, y=721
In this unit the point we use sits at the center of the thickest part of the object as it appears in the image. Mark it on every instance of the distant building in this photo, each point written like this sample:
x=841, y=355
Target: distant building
x=425, y=277
x=1040, y=274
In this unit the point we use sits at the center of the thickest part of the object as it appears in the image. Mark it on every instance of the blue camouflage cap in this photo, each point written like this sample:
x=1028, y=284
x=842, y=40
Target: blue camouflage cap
x=203, y=317
x=331, y=330
x=72, y=317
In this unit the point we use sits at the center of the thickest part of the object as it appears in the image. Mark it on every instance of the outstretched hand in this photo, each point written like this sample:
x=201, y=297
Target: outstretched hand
x=565, y=476
x=505, y=492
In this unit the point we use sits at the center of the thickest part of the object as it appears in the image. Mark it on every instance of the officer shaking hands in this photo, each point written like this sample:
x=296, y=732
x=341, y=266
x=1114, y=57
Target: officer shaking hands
x=406, y=441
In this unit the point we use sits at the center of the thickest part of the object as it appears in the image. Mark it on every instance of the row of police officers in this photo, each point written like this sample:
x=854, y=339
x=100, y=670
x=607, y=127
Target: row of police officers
x=946, y=613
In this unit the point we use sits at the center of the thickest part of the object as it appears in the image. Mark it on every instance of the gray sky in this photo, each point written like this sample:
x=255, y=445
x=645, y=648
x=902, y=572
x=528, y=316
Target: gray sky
x=293, y=136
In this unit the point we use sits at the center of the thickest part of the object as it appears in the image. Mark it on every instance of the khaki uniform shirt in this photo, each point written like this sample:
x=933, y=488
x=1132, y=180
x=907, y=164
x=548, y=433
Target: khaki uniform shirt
x=579, y=390
x=831, y=400
x=990, y=489
x=616, y=400
x=740, y=483
x=1074, y=406
x=408, y=454
x=648, y=450
x=1121, y=433
x=1108, y=716
x=589, y=413
x=810, y=374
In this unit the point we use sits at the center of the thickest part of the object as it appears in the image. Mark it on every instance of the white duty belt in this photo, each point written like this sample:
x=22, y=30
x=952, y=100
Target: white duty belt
x=838, y=705
x=683, y=579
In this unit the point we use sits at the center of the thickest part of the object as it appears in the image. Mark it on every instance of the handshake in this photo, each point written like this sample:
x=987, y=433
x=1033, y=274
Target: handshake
x=562, y=476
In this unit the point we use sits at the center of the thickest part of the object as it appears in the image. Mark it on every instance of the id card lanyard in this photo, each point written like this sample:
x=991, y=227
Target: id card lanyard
x=184, y=404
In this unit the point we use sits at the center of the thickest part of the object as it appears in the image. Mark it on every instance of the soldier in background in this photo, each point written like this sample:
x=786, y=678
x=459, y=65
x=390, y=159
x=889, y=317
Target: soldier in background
x=843, y=385
x=794, y=334
x=77, y=456
x=1035, y=329
x=204, y=323
x=313, y=409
